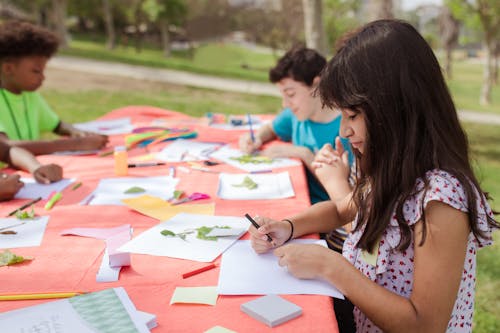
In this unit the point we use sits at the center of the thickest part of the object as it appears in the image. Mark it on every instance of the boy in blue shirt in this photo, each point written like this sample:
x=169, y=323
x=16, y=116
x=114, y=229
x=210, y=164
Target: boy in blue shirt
x=24, y=114
x=304, y=121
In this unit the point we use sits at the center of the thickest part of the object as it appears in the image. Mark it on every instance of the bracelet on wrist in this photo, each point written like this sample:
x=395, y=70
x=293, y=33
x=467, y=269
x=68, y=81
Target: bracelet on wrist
x=291, y=230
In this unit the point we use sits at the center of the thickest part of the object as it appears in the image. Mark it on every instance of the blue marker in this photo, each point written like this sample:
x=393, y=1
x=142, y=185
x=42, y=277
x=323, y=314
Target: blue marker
x=252, y=136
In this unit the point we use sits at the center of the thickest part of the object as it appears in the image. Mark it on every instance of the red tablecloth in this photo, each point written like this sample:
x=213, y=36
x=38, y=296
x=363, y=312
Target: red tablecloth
x=70, y=263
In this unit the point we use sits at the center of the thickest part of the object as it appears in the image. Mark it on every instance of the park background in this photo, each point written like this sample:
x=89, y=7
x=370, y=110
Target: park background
x=241, y=40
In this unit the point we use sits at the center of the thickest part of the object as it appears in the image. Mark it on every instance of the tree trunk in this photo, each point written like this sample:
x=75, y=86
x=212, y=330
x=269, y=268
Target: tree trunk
x=485, y=97
x=165, y=37
x=381, y=9
x=448, y=60
x=313, y=25
x=110, y=27
x=496, y=55
x=59, y=7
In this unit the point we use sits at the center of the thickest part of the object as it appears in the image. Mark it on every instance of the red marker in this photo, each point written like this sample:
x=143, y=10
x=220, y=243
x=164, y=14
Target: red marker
x=198, y=271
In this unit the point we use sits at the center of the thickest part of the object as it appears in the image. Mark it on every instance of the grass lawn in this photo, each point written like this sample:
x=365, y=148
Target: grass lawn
x=86, y=105
x=237, y=62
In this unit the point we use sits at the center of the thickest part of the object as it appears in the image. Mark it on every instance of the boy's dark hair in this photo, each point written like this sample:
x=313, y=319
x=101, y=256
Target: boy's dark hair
x=387, y=71
x=300, y=64
x=22, y=39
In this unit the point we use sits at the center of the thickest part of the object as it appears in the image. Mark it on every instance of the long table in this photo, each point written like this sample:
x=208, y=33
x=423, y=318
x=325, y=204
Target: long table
x=70, y=263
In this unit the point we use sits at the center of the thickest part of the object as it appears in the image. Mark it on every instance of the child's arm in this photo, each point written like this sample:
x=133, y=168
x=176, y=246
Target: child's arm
x=66, y=129
x=438, y=270
x=264, y=134
x=9, y=186
x=45, y=174
x=43, y=147
x=321, y=217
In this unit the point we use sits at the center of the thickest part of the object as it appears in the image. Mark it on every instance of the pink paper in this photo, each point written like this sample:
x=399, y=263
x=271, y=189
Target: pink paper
x=99, y=233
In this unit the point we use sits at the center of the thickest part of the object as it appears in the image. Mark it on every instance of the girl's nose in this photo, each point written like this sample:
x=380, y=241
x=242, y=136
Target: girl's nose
x=345, y=130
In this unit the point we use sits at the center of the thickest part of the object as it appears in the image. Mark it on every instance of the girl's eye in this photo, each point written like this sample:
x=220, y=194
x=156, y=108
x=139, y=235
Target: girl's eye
x=351, y=117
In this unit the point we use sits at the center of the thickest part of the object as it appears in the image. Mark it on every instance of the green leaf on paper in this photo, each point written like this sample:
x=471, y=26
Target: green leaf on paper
x=248, y=183
x=8, y=258
x=26, y=215
x=253, y=159
x=134, y=189
x=201, y=232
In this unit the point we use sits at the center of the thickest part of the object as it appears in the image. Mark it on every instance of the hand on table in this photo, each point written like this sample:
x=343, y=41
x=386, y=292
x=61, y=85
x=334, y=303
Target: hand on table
x=47, y=174
x=278, y=230
x=247, y=145
x=9, y=186
x=92, y=141
x=305, y=261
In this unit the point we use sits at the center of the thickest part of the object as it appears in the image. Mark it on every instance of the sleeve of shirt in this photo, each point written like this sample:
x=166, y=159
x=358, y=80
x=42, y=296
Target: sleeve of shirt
x=282, y=125
x=48, y=119
x=446, y=188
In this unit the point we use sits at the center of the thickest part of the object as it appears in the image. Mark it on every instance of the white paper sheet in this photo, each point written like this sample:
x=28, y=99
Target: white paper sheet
x=107, y=127
x=63, y=316
x=226, y=153
x=56, y=316
x=110, y=191
x=187, y=150
x=33, y=190
x=107, y=273
x=153, y=242
x=269, y=186
x=242, y=271
x=29, y=233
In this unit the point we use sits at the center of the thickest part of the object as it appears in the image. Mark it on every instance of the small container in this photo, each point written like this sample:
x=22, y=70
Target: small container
x=121, y=163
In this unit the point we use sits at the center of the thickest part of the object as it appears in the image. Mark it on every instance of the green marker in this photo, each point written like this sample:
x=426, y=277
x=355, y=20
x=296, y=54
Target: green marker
x=52, y=201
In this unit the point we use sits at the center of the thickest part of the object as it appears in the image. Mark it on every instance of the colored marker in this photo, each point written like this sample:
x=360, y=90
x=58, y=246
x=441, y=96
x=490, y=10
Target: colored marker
x=252, y=135
x=198, y=271
x=26, y=205
x=269, y=239
x=23, y=296
x=52, y=201
x=138, y=165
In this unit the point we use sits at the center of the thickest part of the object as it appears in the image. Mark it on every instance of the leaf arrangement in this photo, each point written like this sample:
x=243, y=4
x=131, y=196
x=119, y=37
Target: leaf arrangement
x=8, y=258
x=201, y=232
x=248, y=183
x=253, y=159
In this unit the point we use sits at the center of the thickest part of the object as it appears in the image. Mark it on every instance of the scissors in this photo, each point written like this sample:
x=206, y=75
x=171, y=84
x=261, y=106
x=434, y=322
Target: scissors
x=191, y=197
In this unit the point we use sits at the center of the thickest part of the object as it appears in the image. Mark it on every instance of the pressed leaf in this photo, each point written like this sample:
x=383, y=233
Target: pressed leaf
x=168, y=233
x=134, y=189
x=9, y=258
x=248, y=183
x=26, y=215
x=252, y=159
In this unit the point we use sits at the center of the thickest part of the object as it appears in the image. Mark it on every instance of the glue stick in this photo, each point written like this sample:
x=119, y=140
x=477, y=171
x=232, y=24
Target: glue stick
x=121, y=166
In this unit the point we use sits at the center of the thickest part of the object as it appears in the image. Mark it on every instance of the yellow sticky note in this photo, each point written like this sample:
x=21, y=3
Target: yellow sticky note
x=195, y=295
x=160, y=209
x=371, y=258
x=219, y=329
x=144, y=158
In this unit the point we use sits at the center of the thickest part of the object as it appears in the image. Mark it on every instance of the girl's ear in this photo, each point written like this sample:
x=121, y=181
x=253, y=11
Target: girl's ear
x=315, y=82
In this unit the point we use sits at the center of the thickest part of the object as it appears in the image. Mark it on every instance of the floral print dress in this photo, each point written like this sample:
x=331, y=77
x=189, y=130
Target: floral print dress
x=394, y=269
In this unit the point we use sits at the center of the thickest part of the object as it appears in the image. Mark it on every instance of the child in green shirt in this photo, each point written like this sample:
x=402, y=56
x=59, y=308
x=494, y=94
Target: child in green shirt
x=24, y=114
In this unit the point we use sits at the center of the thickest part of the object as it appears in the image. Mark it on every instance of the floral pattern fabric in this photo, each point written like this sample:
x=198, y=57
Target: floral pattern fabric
x=394, y=269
